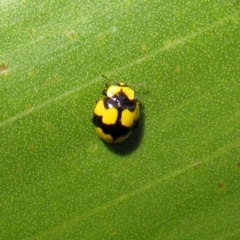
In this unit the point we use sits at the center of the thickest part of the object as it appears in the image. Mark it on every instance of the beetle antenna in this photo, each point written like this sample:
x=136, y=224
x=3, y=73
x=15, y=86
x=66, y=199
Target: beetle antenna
x=106, y=85
x=106, y=77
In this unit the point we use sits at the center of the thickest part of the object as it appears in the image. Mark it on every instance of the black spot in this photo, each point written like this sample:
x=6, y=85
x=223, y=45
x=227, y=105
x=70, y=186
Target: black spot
x=116, y=130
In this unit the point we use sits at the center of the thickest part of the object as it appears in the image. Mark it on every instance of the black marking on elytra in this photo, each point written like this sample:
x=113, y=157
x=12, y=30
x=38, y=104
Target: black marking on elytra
x=119, y=116
x=116, y=130
x=136, y=123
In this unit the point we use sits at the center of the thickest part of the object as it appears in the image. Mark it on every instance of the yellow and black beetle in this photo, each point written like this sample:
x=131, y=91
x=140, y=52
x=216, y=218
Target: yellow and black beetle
x=116, y=114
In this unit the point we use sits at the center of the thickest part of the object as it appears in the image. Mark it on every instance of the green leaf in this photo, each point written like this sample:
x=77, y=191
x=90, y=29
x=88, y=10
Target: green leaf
x=177, y=177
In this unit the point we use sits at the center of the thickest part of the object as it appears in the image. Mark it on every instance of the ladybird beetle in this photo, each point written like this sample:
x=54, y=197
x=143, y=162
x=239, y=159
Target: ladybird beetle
x=116, y=114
